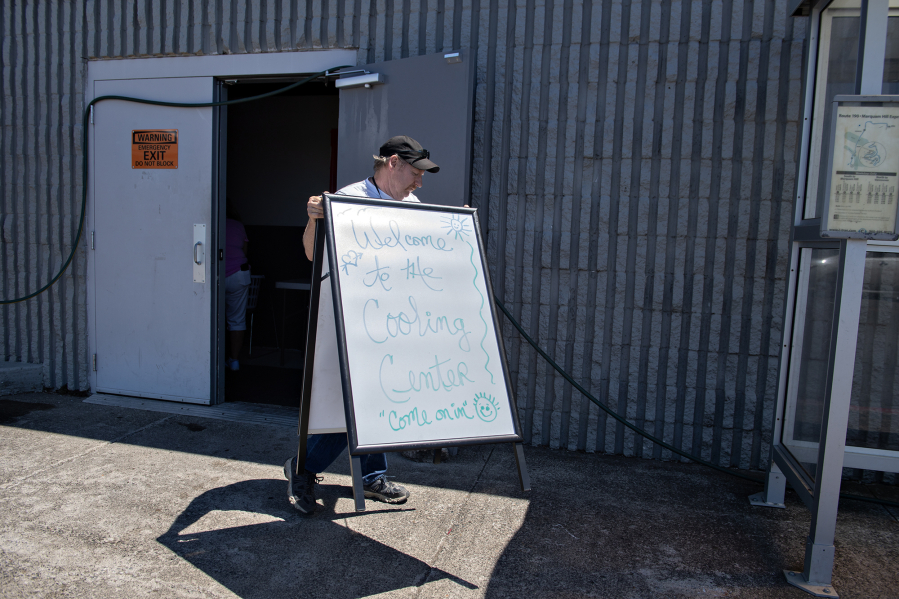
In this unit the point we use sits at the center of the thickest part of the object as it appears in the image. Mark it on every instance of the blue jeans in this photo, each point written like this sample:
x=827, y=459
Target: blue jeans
x=321, y=450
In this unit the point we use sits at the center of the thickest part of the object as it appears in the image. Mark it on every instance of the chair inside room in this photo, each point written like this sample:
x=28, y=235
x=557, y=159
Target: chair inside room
x=255, y=285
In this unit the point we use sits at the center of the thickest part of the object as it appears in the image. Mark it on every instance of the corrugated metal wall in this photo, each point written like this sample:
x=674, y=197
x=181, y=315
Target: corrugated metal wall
x=40, y=176
x=635, y=161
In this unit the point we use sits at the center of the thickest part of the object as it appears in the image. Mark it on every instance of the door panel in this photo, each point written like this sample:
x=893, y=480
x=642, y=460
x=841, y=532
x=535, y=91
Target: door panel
x=153, y=322
x=425, y=98
x=430, y=101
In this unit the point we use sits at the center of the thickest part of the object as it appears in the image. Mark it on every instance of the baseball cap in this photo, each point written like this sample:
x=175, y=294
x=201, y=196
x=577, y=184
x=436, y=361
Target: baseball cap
x=409, y=150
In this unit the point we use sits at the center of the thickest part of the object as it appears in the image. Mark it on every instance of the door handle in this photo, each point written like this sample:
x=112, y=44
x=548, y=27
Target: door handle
x=199, y=266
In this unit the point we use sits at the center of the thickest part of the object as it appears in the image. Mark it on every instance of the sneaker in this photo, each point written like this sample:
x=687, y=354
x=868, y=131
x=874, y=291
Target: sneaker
x=300, y=492
x=233, y=365
x=386, y=491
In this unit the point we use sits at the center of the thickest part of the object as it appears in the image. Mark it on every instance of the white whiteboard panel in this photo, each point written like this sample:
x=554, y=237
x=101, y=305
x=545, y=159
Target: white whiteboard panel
x=326, y=413
x=423, y=357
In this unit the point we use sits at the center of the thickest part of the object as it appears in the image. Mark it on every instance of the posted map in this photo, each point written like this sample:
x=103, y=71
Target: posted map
x=863, y=185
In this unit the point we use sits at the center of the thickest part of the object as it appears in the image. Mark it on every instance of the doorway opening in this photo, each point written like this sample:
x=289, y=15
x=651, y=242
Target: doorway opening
x=280, y=151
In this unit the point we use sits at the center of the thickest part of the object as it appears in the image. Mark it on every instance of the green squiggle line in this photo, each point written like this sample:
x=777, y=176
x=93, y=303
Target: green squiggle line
x=481, y=311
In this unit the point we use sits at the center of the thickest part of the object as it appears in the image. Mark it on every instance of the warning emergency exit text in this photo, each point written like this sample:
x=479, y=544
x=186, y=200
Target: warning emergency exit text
x=154, y=148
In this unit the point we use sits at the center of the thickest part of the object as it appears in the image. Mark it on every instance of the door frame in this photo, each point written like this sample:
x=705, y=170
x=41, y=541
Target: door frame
x=219, y=195
x=214, y=67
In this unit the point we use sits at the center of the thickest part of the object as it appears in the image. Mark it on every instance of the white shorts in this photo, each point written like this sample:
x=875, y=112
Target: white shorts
x=237, y=289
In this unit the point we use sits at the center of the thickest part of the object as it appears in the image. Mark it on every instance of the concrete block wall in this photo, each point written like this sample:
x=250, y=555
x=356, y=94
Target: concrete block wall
x=640, y=222
x=634, y=163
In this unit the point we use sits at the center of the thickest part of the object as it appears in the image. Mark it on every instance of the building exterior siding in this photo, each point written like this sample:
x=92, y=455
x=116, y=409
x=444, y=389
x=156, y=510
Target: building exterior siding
x=634, y=164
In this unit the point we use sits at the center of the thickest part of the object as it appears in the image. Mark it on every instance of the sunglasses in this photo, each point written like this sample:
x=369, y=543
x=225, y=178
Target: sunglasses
x=417, y=155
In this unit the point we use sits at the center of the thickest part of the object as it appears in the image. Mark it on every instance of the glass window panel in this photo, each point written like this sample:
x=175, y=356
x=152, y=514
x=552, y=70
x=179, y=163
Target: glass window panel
x=874, y=411
x=822, y=281
x=842, y=59
x=891, y=61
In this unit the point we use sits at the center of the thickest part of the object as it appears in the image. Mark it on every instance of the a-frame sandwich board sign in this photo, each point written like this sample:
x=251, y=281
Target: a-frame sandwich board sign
x=422, y=362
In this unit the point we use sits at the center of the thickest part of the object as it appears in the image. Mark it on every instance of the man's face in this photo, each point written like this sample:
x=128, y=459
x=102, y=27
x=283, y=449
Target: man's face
x=405, y=178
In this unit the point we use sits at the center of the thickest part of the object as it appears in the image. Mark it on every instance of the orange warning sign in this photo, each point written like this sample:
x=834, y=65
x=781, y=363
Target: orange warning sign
x=154, y=148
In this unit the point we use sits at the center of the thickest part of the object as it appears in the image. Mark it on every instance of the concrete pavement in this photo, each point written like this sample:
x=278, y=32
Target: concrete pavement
x=101, y=501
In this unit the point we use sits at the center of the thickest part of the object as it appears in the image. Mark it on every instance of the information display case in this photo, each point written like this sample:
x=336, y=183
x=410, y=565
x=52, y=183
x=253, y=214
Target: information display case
x=862, y=180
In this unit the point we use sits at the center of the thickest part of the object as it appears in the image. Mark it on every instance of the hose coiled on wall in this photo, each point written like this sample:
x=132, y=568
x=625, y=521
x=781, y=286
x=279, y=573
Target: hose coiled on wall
x=86, y=121
x=647, y=435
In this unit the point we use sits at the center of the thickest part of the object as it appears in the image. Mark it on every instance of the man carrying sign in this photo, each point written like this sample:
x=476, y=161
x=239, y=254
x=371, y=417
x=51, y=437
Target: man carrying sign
x=398, y=169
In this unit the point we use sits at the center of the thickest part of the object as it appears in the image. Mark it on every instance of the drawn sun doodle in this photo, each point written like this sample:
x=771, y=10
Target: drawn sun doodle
x=455, y=224
x=485, y=407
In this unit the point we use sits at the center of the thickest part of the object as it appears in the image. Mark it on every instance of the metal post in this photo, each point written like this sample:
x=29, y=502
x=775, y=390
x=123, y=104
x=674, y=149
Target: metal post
x=311, y=332
x=523, y=477
x=872, y=42
x=819, y=549
x=356, y=474
x=775, y=489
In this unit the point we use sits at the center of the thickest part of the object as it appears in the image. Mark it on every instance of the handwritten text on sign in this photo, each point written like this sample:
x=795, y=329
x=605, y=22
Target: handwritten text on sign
x=421, y=341
x=154, y=148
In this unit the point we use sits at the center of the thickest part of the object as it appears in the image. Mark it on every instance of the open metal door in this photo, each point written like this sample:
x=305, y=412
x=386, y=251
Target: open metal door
x=429, y=98
x=154, y=268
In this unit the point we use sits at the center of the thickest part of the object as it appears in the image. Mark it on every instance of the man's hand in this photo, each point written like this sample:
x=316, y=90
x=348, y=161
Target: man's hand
x=315, y=211
x=314, y=208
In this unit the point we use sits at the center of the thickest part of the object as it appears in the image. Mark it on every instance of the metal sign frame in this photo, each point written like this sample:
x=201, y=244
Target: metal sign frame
x=827, y=222
x=355, y=447
x=325, y=242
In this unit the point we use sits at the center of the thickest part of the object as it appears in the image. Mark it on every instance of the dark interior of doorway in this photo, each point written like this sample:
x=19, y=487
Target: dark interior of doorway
x=280, y=150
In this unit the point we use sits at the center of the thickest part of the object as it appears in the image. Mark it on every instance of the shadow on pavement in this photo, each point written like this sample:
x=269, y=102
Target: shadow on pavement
x=11, y=409
x=246, y=442
x=619, y=527
x=289, y=555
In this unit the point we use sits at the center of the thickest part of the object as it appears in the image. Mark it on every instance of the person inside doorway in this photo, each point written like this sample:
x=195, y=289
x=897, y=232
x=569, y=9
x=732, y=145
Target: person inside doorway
x=237, y=283
x=398, y=171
